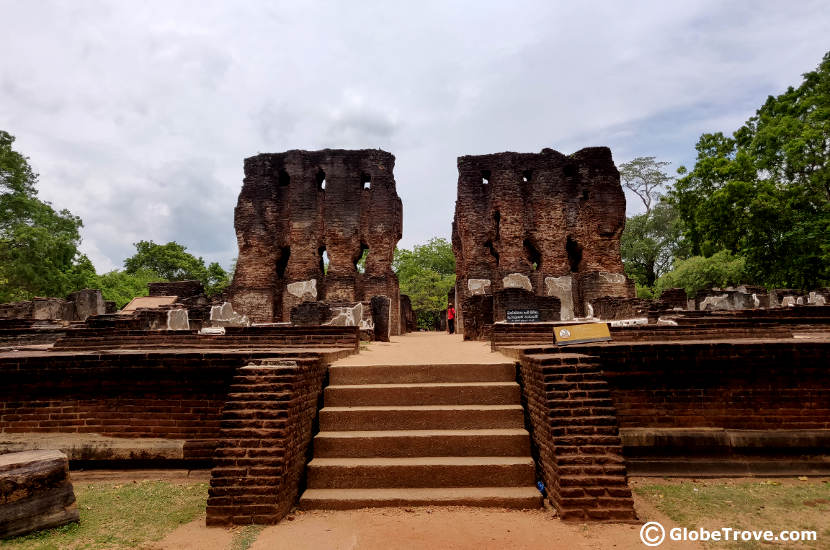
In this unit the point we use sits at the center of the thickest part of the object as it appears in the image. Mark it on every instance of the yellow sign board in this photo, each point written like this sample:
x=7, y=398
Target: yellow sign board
x=581, y=334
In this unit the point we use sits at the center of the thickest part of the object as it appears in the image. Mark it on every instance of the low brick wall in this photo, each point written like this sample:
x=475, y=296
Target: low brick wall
x=783, y=384
x=576, y=440
x=174, y=395
x=234, y=338
x=262, y=453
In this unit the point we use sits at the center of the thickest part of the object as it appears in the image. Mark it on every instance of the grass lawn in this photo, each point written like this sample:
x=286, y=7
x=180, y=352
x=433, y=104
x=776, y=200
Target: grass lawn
x=777, y=505
x=121, y=515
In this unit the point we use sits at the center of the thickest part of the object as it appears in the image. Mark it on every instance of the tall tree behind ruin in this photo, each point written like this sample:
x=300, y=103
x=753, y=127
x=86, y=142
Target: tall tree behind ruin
x=38, y=245
x=651, y=241
x=764, y=193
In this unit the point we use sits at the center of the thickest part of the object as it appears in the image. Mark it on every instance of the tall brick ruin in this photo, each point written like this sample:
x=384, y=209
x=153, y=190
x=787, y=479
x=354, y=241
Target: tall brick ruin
x=546, y=223
x=295, y=207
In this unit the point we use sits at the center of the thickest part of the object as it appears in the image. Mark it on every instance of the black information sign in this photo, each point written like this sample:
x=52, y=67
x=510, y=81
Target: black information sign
x=522, y=315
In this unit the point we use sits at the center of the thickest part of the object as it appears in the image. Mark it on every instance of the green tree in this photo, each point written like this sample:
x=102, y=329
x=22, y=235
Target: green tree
x=172, y=262
x=652, y=240
x=764, y=194
x=426, y=274
x=650, y=243
x=121, y=287
x=697, y=273
x=38, y=245
x=646, y=178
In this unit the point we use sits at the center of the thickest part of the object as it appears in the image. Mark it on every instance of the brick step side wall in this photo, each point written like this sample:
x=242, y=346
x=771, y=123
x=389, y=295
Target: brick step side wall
x=264, y=442
x=574, y=429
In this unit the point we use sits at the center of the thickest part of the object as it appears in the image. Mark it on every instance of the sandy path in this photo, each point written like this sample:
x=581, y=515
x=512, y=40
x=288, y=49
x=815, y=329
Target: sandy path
x=427, y=528
x=433, y=348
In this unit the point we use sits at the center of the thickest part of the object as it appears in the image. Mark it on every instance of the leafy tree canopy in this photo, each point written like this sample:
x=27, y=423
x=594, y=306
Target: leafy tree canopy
x=698, y=273
x=764, y=193
x=426, y=274
x=172, y=262
x=38, y=245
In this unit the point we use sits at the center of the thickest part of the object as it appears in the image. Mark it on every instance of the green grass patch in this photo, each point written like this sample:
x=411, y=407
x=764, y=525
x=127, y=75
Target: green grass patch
x=245, y=536
x=121, y=515
x=748, y=505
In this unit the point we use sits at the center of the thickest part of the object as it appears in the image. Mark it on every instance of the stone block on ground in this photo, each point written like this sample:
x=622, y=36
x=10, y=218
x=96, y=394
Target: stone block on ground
x=476, y=314
x=223, y=315
x=177, y=319
x=381, y=309
x=88, y=302
x=309, y=314
x=515, y=298
x=35, y=492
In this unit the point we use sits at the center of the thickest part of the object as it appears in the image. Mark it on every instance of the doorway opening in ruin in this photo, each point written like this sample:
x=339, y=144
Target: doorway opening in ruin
x=360, y=260
x=534, y=257
x=492, y=250
x=574, y=250
x=570, y=171
x=282, y=261
x=324, y=259
x=321, y=180
x=497, y=222
x=366, y=179
x=283, y=178
x=485, y=177
x=526, y=175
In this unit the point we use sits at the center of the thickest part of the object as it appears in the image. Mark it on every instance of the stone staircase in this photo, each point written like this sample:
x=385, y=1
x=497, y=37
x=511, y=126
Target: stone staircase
x=413, y=435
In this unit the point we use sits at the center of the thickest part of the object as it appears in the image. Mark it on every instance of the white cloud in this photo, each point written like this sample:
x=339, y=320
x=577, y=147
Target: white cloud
x=138, y=116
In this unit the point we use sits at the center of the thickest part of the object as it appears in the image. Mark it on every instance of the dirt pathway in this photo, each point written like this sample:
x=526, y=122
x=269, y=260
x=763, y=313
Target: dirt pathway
x=434, y=348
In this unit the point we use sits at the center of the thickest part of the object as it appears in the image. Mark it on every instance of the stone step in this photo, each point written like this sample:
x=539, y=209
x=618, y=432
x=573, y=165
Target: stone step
x=492, y=497
x=459, y=393
x=421, y=417
x=352, y=473
x=411, y=443
x=417, y=374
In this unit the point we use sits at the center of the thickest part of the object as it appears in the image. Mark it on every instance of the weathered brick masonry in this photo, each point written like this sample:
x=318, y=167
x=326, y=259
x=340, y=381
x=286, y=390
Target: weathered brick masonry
x=295, y=207
x=546, y=221
x=135, y=393
x=574, y=429
x=781, y=384
x=266, y=431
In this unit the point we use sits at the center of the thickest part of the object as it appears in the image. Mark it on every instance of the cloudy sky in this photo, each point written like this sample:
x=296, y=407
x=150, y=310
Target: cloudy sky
x=138, y=115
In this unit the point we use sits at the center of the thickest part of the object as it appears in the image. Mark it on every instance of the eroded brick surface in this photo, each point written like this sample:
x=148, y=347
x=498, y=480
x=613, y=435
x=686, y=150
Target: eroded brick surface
x=520, y=218
x=296, y=206
x=266, y=430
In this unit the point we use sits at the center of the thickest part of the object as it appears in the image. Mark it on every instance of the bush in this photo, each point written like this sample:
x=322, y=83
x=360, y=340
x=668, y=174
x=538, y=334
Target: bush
x=698, y=273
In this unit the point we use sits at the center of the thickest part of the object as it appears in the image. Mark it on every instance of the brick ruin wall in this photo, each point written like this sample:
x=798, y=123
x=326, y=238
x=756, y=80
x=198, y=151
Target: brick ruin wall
x=173, y=396
x=781, y=385
x=295, y=207
x=728, y=400
x=546, y=222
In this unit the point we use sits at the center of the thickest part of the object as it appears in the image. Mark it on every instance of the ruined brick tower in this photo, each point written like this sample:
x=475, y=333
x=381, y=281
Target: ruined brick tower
x=297, y=207
x=546, y=223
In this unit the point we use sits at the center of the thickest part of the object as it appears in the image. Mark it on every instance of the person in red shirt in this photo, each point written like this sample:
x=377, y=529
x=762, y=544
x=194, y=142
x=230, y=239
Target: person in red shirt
x=451, y=319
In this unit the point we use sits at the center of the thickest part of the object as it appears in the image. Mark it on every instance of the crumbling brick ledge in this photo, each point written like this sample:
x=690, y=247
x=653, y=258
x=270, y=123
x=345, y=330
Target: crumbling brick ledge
x=574, y=428
x=265, y=438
